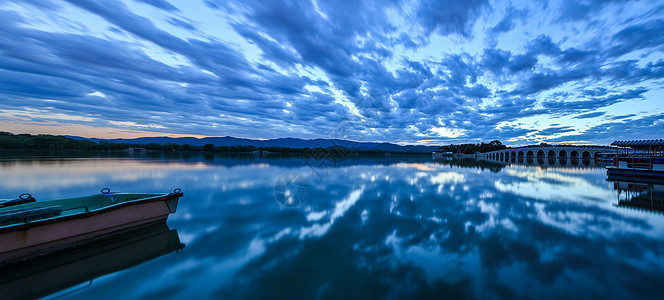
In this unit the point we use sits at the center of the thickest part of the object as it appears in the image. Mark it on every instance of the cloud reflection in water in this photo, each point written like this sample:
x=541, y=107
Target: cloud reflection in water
x=391, y=228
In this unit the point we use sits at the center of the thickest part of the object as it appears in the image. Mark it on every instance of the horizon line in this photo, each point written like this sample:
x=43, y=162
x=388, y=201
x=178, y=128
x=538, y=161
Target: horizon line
x=199, y=137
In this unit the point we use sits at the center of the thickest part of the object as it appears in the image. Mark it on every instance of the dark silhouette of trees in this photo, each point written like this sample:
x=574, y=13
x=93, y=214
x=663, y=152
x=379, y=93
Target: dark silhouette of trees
x=474, y=148
x=9, y=141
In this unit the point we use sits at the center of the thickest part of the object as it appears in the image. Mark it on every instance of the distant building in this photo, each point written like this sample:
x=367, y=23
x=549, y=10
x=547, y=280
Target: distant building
x=441, y=154
x=260, y=152
x=136, y=150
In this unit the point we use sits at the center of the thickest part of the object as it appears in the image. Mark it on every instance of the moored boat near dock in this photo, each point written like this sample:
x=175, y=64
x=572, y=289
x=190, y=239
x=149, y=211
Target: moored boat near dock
x=35, y=228
x=441, y=154
x=638, y=159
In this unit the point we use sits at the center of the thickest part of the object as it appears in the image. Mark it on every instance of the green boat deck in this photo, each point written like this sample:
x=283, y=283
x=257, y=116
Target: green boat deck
x=42, y=210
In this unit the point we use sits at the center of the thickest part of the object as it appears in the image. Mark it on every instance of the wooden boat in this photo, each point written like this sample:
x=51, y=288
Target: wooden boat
x=35, y=228
x=74, y=269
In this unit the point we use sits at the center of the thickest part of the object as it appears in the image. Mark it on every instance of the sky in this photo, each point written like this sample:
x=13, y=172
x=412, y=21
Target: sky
x=410, y=72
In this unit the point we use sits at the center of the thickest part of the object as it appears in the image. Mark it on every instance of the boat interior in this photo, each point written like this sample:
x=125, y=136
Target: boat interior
x=31, y=211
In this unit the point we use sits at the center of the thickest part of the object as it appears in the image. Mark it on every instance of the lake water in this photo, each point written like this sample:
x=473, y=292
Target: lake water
x=281, y=227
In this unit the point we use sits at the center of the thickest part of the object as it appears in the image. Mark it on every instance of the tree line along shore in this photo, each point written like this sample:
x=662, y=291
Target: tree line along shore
x=10, y=141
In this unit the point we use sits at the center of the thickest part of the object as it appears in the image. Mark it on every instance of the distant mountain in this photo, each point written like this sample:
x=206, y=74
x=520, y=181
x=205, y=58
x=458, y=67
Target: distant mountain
x=280, y=142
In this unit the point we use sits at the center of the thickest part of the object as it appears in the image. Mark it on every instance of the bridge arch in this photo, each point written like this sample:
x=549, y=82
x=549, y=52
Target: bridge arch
x=562, y=160
x=566, y=152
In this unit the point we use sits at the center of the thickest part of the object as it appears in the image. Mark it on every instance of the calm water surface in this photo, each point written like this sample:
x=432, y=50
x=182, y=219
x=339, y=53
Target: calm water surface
x=371, y=228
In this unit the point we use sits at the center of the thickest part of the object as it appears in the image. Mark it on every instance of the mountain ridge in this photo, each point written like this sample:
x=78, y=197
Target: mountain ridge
x=287, y=142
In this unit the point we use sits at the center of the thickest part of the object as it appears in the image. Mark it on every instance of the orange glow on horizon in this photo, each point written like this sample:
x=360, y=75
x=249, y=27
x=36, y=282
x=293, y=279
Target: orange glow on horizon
x=86, y=131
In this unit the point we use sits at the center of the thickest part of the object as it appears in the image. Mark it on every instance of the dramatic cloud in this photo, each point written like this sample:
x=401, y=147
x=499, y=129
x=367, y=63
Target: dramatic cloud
x=590, y=115
x=450, y=16
x=400, y=71
x=163, y=4
x=649, y=127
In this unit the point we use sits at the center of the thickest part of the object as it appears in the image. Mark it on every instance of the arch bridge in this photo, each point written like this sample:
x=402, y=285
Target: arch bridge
x=557, y=151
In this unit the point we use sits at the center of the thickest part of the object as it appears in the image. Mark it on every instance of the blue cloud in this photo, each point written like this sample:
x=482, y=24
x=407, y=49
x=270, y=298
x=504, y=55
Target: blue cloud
x=648, y=127
x=508, y=22
x=181, y=23
x=543, y=45
x=575, y=11
x=449, y=16
x=163, y=4
x=590, y=115
x=636, y=37
x=622, y=117
x=538, y=82
x=592, y=103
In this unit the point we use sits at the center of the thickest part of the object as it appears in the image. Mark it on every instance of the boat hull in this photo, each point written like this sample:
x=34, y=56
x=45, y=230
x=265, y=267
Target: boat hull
x=626, y=173
x=34, y=239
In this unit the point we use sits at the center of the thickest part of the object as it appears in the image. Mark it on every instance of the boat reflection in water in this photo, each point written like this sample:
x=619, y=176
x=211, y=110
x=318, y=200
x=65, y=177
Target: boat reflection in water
x=640, y=195
x=53, y=273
